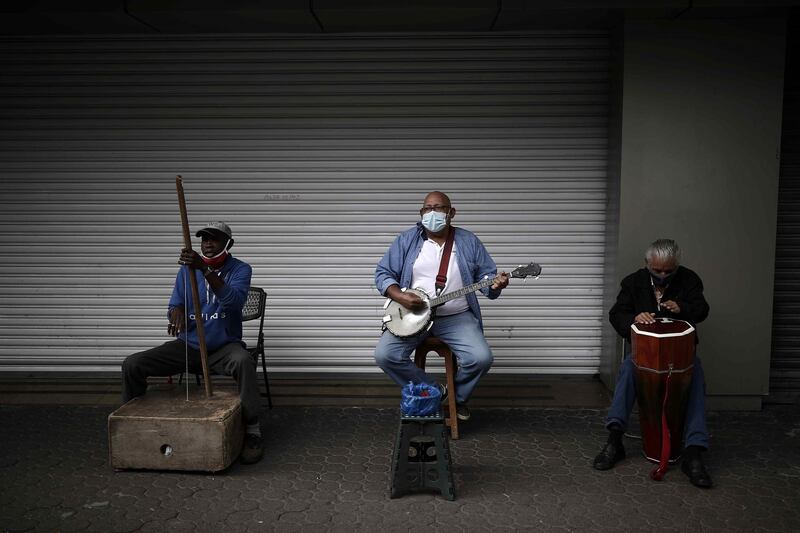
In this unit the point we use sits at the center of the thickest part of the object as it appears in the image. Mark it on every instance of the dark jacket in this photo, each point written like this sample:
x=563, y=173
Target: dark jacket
x=636, y=296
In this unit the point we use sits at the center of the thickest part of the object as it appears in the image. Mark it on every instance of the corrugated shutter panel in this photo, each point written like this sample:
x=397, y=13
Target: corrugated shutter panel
x=317, y=150
x=785, y=362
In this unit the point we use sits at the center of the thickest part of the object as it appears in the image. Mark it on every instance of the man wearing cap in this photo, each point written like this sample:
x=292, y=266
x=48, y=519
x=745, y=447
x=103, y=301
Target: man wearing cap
x=223, y=281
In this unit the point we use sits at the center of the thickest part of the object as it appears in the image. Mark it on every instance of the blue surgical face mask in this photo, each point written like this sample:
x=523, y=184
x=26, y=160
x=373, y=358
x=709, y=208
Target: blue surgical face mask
x=434, y=221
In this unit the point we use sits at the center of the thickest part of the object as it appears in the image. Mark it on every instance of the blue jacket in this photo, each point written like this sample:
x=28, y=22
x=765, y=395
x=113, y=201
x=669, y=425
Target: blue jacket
x=397, y=264
x=221, y=312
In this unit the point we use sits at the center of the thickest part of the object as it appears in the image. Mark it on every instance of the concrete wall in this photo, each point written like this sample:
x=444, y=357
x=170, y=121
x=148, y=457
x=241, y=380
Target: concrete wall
x=611, y=343
x=701, y=122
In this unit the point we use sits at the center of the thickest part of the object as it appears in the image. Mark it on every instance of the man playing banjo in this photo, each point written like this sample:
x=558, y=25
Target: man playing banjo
x=413, y=261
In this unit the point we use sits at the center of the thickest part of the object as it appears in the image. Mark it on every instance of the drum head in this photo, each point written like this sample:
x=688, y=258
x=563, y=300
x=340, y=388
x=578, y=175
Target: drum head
x=666, y=344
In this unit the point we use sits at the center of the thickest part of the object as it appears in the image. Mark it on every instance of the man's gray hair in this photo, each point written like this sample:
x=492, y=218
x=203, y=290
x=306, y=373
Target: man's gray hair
x=663, y=249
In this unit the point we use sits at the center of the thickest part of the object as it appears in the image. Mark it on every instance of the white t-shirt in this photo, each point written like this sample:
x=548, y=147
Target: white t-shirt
x=426, y=267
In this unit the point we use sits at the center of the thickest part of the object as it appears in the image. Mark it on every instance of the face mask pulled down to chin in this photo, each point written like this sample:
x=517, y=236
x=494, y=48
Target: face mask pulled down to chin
x=217, y=260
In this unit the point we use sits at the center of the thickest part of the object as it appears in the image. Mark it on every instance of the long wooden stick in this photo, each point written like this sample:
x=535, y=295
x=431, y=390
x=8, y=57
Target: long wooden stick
x=198, y=311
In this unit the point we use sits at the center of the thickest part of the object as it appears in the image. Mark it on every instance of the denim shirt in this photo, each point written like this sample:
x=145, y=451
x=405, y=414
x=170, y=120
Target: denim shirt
x=397, y=264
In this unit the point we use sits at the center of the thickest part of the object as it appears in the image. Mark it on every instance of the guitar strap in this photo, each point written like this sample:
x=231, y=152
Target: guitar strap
x=441, y=278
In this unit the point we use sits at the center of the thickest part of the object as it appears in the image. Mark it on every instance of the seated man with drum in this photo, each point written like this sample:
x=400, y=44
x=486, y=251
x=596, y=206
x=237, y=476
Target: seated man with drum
x=413, y=261
x=665, y=289
x=223, y=281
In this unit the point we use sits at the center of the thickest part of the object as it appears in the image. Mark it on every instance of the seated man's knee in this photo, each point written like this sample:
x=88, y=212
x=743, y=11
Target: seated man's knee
x=486, y=361
x=387, y=352
x=478, y=361
x=698, y=366
x=237, y=360
x=626, y=368
x=241, y=357
x=382, y=357
x=131, y=364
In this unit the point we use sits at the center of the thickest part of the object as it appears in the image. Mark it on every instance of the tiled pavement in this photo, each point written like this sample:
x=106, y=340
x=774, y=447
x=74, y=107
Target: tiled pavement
x=327, y=469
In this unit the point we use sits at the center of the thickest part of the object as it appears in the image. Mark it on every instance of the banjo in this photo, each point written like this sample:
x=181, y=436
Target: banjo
x=403, y=322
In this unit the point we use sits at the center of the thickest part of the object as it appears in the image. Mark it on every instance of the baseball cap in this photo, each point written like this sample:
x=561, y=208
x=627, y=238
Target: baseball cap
x=215, y=226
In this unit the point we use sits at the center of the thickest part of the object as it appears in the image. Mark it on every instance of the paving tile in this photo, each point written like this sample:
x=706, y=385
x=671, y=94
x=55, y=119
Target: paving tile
x=327, y=469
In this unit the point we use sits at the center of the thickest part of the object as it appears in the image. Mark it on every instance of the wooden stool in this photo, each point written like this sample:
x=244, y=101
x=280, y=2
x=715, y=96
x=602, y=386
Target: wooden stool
x=434, y=344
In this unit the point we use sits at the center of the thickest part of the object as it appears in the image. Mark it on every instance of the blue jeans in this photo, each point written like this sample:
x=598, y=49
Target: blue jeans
x=695, y=432
x=462, y=332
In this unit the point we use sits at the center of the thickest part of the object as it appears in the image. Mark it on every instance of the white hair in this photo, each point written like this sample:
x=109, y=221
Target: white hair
x=663, y=249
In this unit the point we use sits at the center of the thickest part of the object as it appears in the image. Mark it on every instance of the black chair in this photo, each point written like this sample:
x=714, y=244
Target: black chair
x=253, y=309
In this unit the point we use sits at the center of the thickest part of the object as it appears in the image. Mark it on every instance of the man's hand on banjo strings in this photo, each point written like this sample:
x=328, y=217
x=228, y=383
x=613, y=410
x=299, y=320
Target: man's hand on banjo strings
x=411, y=301
x=407, y=299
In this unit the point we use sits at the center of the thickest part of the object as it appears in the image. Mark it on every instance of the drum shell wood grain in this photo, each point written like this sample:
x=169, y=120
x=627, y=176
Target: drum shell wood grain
x=655, y=348
x=202, y=434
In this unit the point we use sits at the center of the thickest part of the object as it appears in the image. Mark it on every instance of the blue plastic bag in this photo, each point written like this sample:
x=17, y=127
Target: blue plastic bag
x=419, y=399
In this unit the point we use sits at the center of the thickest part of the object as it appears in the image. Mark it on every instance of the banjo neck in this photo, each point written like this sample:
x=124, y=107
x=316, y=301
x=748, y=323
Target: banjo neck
x=444, y=298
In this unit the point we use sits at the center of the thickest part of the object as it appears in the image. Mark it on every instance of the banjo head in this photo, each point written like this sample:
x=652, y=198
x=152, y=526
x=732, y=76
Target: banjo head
x=403, y=322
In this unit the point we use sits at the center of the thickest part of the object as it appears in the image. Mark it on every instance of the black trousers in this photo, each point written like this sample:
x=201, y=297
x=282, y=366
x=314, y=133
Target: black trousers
x=170, y=358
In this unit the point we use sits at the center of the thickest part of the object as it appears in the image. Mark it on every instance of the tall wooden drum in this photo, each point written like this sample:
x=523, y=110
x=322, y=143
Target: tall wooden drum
x=663, y=354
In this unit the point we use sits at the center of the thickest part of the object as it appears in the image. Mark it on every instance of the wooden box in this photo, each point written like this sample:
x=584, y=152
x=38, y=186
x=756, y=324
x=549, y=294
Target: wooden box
x=163, y=431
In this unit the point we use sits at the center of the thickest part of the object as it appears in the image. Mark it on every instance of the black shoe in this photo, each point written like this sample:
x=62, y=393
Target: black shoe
x=252, y=449
x=611, y=453
x=462, y=412
x=693, y=467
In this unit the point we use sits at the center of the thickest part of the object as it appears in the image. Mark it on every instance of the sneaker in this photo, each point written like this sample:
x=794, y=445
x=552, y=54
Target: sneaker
x=462, y=412
x=252, y=449
x=443, y=391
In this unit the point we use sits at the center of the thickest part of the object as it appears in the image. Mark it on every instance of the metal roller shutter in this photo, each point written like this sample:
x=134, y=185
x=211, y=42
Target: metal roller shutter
x=317, y=150
x=784, y=383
